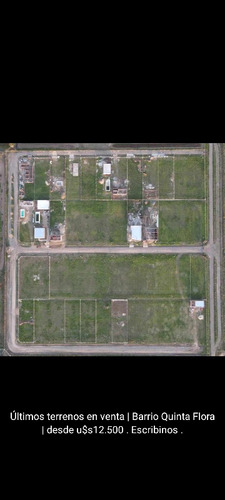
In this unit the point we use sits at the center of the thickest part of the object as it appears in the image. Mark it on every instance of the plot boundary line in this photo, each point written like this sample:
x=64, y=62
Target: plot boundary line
x=64, y=320
x=49, y=272
x=34, y=333
x=96, y=328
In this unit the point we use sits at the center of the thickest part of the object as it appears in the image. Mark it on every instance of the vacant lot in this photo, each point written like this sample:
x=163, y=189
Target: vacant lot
x=189, y=177
x=157, y=290
x=96, y=223
x=42, y=172
x=135, y=180
x=57, y=213
x=182, y=222
x=33, y=277
x=113, y=276
x=162, y=322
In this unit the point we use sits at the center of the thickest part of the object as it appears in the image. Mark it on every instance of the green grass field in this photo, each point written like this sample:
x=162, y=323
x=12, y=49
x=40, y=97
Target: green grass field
x=57, y=213
x=182, y=222
x=42, y=170
x=96, y=223
x=75, y=310
x=166, y=185
x=135, y=180
x=189, y=177
x=24, y=235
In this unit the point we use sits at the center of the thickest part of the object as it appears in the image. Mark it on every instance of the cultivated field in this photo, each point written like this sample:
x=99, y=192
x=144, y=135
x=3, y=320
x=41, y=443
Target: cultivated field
x=110, y=298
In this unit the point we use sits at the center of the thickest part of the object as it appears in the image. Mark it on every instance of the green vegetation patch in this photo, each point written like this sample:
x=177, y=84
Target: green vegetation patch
x=42, y=172
x=115, y=276
x=49, y=321
x=96, y=223
x=189, y=177
x=135, y=179
x=103, y=321
x=26, y=321
x=72, y=324
x=29, y=191
x=33, y=277
x=181, y=222
x=88, y=313
x=57, y=213
x=88, y=178
x=25, y=236
x=159, y=321
x=166, y=177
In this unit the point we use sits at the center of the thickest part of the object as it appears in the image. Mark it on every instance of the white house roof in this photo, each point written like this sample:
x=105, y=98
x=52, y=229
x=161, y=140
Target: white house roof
x=43, y=204
x=200, y=303
x=136, y=233
x=39, y=233
x=106, y=168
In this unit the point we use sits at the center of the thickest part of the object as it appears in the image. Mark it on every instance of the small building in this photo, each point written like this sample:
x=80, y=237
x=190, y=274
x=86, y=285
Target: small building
x=39, y=233
x=106, y=168
x=136, y=233
x=75, y=169
x=197, y=304
x=200, y=304
x=22, y=213
x=43, y=204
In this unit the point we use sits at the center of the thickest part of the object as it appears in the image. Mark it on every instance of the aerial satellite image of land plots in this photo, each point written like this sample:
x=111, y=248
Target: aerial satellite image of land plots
x=112, y=249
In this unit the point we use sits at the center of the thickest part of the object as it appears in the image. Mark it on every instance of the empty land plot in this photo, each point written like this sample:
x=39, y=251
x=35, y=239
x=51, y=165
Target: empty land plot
x=135, y=179
x=166, y=177
x=57, y=213
x=88, y=178
x=25, y=234
x=96, y=222
x=29, y=191
x=42, y=173
x=103, y=321
x=189, y=177
x=72, y=181
x=88, y=314
x=121, y=276
x=26, y=321
x=49, y=321
x=157, y=287
x=34, y=277
x=73, y=323
x=165, y=322
x=182, y=222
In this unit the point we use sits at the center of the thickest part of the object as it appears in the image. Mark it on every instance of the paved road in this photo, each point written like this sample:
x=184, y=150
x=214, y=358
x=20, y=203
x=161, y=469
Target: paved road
x=219, y=218
x=211, y=254
x=113, y=250
x=110, y=152
x=2, y=209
